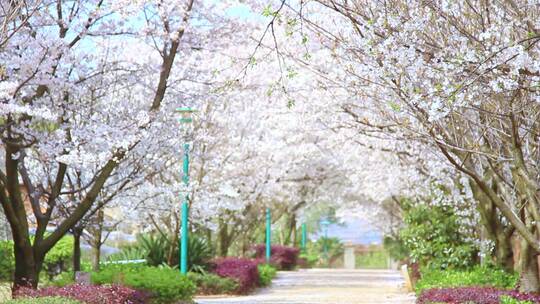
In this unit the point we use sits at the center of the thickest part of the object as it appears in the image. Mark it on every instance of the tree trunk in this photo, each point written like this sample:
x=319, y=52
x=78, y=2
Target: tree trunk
x=294, y=240
x=224, y=239
x=77, y=232
x=96, y=256
x=528, y=268
x=27, y=267
x=97, y=239
x=496, y=231
x=504, y=253
x=290, y=238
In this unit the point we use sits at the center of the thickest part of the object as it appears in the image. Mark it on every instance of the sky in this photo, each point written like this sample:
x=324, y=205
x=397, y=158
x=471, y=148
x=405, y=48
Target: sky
x=356, y=231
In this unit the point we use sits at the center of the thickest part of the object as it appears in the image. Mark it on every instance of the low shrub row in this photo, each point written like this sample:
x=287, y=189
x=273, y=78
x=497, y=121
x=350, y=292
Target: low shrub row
x=90, y=294
x=136, y=283
x=57, y=260
x=477, y=276
x=211, y=284
x=163, y=285
x=482, y=295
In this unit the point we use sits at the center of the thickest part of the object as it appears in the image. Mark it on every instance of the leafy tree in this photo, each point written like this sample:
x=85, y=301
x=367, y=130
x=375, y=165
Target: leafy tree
x=433, y=237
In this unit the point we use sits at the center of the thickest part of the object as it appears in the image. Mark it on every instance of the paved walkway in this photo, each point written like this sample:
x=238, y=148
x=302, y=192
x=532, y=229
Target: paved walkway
x=328, y=286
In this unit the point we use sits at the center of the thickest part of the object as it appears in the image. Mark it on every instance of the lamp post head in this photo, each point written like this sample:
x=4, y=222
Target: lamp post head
x=185, y=114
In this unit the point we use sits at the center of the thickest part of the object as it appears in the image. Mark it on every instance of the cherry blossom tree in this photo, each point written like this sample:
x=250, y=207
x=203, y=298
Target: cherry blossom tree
x=455, y=77
x=79, y=100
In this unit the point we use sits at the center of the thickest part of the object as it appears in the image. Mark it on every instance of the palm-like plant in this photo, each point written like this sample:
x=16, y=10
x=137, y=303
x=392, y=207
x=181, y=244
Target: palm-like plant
x=199, y=253
x=156, y=248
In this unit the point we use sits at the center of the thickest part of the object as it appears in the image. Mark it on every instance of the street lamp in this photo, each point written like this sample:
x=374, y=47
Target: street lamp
x=268, y=248
x=325, y=223
x=185, y=119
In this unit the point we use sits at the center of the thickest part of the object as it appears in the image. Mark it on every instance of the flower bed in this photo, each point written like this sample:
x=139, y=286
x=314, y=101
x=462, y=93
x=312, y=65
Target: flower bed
x=481, y=295
x=90, y=294
x=244, y=271
x=45, y=300
x=282, y=257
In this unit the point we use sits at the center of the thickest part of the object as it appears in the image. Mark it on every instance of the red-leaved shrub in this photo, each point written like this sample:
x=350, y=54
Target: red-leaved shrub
x=281, y=257
x=479, y=295
x=244, y=271
x=91, y=294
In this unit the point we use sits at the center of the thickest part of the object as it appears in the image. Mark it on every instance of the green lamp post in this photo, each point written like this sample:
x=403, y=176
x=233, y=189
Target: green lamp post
x=185, y=119
x=325, y=223
x=268, y=235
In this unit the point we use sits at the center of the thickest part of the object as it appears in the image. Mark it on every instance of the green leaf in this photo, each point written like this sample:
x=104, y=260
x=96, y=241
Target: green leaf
x=304, y=38
x=290, y=103
x=395, y=106
x=291, y=73
x=267, y=11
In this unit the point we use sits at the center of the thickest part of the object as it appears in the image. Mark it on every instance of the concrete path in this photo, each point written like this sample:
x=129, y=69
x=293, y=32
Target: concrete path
x=328, y=286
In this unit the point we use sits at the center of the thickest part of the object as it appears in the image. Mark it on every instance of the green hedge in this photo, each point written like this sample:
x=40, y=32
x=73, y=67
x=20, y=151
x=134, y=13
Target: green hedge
x=59, y=257
x=211, y=284
x=477, y=276
x=7, y=262
x=166, y=285
x=46, y=300
x=266, y=274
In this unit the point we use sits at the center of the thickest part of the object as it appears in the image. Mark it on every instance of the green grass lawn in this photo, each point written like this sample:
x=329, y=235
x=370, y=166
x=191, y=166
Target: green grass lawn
x=5, y=291
x=372, y=260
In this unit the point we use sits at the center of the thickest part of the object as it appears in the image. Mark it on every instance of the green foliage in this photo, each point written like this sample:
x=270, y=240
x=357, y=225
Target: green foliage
x=115, y=273
x=433, y=237
x=199, y=253
x=266, y=274
x=395, y=248
x=44, y=300
x=57, y=260
x=63, y=279
x=477, y=276
x=128, y=253
x=310, y=258
x=211, y=284
x=314, y=254
x=7, y=262
x=166, y=285
x=375, y=259
x=334, y=250
x=155, y=248
x=510, y=300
